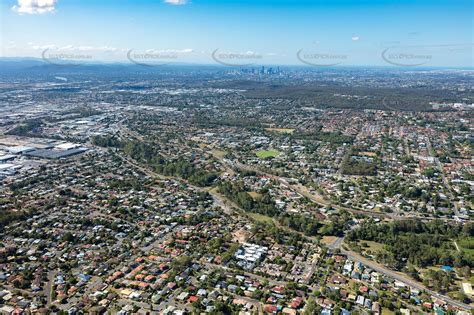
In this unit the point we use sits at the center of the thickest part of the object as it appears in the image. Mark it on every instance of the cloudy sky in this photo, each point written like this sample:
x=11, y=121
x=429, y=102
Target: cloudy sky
x=357, y=32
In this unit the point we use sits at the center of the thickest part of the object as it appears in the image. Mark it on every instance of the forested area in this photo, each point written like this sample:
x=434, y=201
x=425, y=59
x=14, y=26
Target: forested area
x=331, y=137
x=264, y=205
x=238, y=193
x=186, y=170
x=352, y=166
x=417, y=243
x=26, y=128
x=7, y=216
x=326, y=94
x=143, y=152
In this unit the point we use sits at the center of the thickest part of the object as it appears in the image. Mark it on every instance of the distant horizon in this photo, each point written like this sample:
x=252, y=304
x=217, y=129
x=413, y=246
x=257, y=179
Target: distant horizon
x=217, y=65
x=411, y=33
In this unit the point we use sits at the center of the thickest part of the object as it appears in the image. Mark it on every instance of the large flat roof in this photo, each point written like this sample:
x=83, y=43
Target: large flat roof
x=19, y=149
x=7, y=157
x=53, y=154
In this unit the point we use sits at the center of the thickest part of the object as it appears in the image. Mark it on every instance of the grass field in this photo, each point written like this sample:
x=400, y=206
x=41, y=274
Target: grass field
x=280, y=130
x=260, y=217
x=328, y=240
x=265, y=154
x=471, y=280
x=218, y=153
x=386, y=311
x=372, y=246
x=466, y=244
x=255, y=195
x=213, y=190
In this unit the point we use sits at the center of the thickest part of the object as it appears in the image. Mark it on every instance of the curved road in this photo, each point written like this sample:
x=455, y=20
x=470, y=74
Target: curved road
x=395, y=275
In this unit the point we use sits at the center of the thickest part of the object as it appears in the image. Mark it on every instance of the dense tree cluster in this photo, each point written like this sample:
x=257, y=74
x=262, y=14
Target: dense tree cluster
x=26, y=128
x=238, y=193
x=331, y=137
x=107, y=141
x=7, y=217
x=146, y=153
x=188, y=171
x=352, y=166
x=417, y=243
x=301, y=223
x=340, y=96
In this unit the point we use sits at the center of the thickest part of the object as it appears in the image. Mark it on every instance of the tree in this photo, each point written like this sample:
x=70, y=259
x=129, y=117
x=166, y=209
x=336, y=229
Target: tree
x=310, y=308
x=68, y=237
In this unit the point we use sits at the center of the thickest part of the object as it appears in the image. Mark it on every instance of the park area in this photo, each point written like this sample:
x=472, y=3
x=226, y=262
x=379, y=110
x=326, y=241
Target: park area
x=265, y=154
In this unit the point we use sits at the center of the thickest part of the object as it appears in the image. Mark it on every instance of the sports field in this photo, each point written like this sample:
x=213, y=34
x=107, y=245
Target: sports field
x=265, y=154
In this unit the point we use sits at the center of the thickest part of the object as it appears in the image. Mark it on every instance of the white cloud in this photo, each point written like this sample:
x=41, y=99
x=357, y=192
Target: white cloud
x=176, y=2
x=35, y=6
x=170, y=51
x=68, y=48
x=355, y=38
x=90, y=48
x=43, y=47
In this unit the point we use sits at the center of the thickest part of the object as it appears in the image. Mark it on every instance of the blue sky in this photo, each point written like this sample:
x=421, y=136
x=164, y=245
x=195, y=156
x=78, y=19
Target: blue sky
x=432, y=32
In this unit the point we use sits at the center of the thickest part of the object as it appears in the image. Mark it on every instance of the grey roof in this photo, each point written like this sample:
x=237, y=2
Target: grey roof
x=51, y=154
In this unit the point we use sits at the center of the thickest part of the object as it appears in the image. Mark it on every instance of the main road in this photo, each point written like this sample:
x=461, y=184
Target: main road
x=336, y=244
x=304, y=191
x=395, y=275
x=318, y=199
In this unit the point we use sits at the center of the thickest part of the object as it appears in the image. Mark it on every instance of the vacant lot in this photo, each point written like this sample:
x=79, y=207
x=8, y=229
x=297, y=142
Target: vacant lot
x=255, y=195
x=260, y=217
x=265, y=154
x=218, y=153
x=280, y=130
x=372, y=246
x=327, y=240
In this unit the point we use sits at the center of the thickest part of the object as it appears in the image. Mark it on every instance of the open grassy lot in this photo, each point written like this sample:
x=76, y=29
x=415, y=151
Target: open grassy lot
x=372, y=246
x=260, y=217
x=218, y=153
x=265, y=154
x=326, y=240
x=371, y=154
x=466, y=245
x=386, y=311
x=280, y=130
x=255, y=195
x=471, y=280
